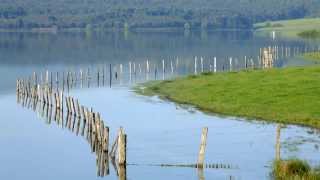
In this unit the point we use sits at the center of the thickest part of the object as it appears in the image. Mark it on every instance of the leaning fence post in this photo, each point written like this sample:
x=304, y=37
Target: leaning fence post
x=202, y=147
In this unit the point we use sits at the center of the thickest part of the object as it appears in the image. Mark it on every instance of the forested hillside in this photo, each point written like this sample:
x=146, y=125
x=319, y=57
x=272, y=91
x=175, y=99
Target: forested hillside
x=27, y=14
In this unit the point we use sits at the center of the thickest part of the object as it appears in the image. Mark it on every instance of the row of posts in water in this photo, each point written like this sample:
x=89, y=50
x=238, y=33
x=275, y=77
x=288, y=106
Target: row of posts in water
x=90, y=125
x=44, y=91
x=106, y=75
x=101, y=151
x=68, y=113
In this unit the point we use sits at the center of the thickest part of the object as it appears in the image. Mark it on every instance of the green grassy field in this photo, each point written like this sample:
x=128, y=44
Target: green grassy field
x=288, y=28
x=289, y=95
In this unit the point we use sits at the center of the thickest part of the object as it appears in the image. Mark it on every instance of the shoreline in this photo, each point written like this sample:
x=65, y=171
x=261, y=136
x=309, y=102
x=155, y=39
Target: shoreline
x=133, y=30
x=269, y=106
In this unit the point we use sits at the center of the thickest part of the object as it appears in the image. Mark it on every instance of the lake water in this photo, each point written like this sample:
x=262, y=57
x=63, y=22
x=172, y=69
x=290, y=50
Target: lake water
x=159, y=132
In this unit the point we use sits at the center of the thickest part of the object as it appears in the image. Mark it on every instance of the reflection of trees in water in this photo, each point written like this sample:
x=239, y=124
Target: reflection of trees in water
x=113, y=47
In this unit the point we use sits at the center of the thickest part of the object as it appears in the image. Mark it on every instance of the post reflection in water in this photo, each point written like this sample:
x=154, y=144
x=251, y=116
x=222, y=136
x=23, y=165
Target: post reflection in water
x=200, y=174
x=75, y=118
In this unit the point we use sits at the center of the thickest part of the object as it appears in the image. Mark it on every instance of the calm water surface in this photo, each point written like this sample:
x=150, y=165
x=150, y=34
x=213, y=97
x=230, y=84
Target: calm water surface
x=159, y=132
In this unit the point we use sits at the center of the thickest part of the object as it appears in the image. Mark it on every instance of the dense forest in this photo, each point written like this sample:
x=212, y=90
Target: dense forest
x=29, y=14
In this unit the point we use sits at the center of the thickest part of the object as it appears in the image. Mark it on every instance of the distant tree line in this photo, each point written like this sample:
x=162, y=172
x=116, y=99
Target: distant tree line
x=28, y=14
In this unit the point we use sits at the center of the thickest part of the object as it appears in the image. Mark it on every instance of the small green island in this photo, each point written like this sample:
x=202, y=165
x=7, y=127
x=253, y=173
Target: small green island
x=308, y=28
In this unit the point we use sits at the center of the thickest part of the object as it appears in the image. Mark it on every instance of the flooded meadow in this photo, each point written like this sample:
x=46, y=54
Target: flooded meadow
x=100, y=72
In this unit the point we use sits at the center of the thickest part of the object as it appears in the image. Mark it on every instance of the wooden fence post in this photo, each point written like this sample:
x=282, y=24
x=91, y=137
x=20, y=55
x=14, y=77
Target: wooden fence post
x=122, y=143
x=278, y=146
x=201, y=62
x=195, y=65
x=215, y=64
x=110, y=74
x=202, y=147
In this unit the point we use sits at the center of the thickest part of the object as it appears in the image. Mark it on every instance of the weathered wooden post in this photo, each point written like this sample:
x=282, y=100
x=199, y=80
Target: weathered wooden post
x=147, y=70
x=155, y=72
x=130, y=73
x=163, y=69
x=61, y=100
x=47, y=78
x=110, y=70
x=74, y=78
x=87, y=114
x=73, y=107
x=202, y=147
x=81, y=75
x=55, y=97
x=48, y=98
x=106, y=139
x=121, y=69
x=67, y=105
x=122, y=151
x=245, y=62
x=252, y=63
x=201, y=62
x=120, y=73
x=68, y=81
x=278, y=145
x=57, y=80
x=84, y=119
x=103, y=74
x=51, y=82
x=35, y=79
x=215, y=64
x=78, y=109
x=134, y=69
x=17, y=91
x=98, y=76
x=195, y=64
x=63, y=81
x=88, y=76
x=114, y=147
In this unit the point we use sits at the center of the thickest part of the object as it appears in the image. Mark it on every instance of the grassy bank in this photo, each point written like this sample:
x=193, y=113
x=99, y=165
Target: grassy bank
x=290, y=28
x=294, y=169
x=288, y=95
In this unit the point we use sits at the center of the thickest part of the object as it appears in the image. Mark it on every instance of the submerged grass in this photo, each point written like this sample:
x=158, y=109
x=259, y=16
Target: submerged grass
x=314, y=56
x=288, y=95
x=294, y=169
